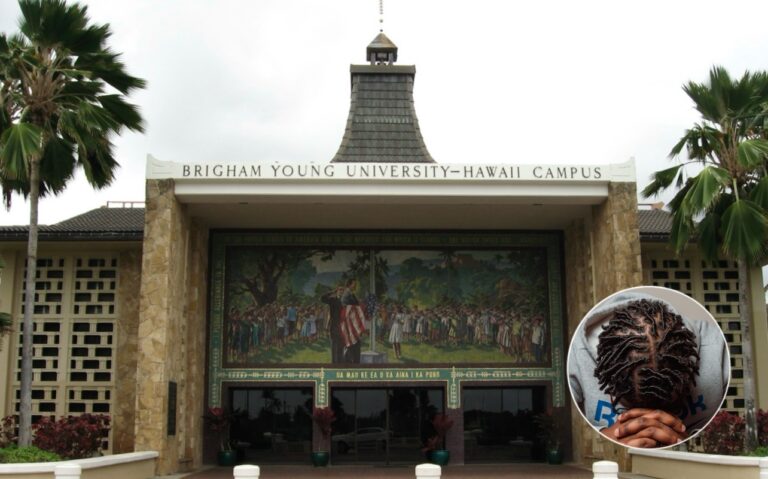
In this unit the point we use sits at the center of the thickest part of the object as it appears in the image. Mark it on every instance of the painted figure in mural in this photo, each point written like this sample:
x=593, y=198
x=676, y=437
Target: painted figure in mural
x=396, y=330
x=291, y=318
x=484, y=310
x=352, y=336
x=346, y=324
x=333, y=300
x=537, y=338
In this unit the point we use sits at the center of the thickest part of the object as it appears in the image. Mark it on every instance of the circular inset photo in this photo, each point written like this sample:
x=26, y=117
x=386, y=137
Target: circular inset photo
x=648, y=367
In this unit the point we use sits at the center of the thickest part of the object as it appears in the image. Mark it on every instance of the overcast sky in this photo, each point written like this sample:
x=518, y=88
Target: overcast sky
x=497, y=81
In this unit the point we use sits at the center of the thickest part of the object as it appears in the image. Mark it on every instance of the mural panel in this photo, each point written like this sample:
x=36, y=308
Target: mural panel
x=291, y=305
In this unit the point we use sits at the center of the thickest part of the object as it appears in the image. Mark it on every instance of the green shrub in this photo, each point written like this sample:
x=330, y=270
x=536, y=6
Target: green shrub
x=15, y=455
x=761, y=451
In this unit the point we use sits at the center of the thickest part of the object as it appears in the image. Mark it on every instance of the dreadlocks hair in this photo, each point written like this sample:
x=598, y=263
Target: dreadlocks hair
x=647, y=357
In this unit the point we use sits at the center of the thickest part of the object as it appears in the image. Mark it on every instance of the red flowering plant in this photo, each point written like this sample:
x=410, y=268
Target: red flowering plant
x=218, y=421
x=324, y=418
x=762, y=427
x=8, y=431
x=72, y=437
x=442, y=425
x=724, y=434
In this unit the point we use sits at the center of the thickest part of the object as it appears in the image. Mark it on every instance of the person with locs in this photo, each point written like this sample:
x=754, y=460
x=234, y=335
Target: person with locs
x=643, y=375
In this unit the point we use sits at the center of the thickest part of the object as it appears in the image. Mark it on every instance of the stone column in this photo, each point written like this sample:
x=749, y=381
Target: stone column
x=171, y=330
x=124, y=415
x=616, y=241
x=617, y=265
x=602, y=256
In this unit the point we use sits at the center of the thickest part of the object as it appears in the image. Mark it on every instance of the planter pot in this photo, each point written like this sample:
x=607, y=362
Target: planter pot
x=320, y=458
x=227, y=458
x=440, y=457
x=554, y=456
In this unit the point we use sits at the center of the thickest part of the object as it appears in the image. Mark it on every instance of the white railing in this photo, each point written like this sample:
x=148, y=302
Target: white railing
x=605, y=470
x=664, y=464
x=140, y=465
x=67, y=471
x=247, y=472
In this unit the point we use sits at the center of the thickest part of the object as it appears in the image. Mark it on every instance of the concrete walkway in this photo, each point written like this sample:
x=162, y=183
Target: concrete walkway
x=532, y=471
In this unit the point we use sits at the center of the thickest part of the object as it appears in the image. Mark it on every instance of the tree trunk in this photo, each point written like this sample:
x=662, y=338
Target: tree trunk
x=745, y=313
x=25, y=407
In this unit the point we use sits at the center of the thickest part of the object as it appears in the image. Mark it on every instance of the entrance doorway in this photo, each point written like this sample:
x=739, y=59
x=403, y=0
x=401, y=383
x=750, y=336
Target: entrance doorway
x=499, y=424
x=383, y=425
x=271, y=425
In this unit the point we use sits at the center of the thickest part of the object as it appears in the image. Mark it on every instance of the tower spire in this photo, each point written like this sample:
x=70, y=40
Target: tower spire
x=381, y=16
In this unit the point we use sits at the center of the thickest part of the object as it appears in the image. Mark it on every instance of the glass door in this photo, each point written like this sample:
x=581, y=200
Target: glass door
x=271, y=425
x=383, y=426
x=499, y=424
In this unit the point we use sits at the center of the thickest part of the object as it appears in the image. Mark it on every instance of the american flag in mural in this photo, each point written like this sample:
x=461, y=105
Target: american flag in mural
x=352, y=324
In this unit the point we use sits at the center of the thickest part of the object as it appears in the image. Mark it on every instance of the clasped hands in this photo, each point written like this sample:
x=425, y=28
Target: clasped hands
x=646, y=428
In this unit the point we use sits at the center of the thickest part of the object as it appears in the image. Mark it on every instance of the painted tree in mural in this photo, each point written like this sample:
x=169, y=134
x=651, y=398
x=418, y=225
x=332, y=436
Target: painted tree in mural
x=360, y=269
x=258, y=271
x=724, y=206
x=62, y=97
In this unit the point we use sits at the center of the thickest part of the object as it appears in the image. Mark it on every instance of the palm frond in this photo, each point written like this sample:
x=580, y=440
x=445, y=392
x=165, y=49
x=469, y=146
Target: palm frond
x=759, y=193
x=676, y=203
x=753, y=153
x=708, y=236
x=57, y=165
x=700, y=142
x=125, y=113
x=661, y=180
x=705, y=188
x=18, y=144
x=682, y=227
x=53, y=23
x=106, y=66
x=98, y=163
x=745, y=230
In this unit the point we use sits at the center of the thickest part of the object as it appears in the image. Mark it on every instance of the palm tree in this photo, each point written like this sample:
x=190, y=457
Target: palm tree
x=61, y=98
x=725, y=205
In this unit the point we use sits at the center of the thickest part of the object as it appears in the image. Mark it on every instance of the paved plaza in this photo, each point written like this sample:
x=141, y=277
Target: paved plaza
x=542, y=471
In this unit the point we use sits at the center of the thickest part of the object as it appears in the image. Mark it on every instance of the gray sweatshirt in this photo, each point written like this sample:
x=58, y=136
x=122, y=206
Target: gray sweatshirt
x=711, y=383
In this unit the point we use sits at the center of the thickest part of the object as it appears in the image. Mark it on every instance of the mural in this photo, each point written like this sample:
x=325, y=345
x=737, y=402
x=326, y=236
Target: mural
x=301, y=305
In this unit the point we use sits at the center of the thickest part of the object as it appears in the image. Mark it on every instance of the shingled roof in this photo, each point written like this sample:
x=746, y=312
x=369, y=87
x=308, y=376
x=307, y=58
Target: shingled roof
x=103, y=224
x=654, y=224
x=382, y=126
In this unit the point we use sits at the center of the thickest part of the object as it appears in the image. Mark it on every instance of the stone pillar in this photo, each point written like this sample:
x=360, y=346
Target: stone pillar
x=616, y=241
x=617, y=265
x=580, y=296
x=191, y=402
x=171, y=331
x=124, y=411
x=602, y=256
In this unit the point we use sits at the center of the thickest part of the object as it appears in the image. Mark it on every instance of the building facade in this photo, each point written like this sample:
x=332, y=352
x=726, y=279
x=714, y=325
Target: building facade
x=382, y=284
